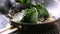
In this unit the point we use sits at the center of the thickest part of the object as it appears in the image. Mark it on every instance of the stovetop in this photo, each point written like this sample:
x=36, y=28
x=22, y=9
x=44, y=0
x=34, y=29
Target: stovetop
x=54, y=29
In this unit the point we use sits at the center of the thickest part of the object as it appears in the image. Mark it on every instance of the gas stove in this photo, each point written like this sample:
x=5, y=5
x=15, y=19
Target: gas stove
x=53, y=29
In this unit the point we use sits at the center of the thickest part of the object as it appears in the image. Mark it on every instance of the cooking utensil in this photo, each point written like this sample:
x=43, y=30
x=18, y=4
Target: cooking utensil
x=53, y=7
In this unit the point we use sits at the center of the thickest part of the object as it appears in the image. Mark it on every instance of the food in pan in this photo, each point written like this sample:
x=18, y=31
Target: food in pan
x=33, y=14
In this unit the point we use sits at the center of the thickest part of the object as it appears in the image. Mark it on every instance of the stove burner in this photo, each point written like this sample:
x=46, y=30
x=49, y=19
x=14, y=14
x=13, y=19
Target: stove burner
x=51, y=30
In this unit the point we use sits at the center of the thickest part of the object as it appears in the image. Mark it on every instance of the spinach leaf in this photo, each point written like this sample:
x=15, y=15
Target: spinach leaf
x=31, y=16
x=25, y=1
x=42, y=11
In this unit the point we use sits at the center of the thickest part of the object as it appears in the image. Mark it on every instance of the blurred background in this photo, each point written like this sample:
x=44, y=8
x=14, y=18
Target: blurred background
x=9, y=8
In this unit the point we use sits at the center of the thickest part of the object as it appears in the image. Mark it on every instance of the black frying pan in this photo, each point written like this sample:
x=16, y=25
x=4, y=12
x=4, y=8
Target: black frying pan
x=50, y=5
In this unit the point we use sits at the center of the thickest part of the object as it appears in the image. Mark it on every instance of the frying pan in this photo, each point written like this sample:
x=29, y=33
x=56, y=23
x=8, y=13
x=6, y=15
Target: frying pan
x=53, y=7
